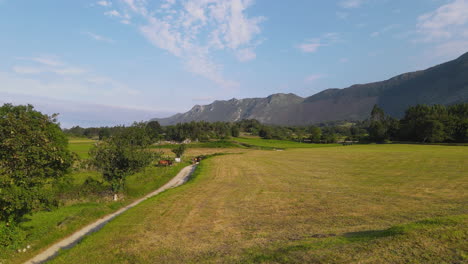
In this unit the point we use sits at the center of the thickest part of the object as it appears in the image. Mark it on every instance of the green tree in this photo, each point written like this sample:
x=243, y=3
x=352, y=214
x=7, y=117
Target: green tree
x=179, y=150
x=104, y=133
x=121, y=155
x=265, y=132
x=433, y=131
x=377, y=131
x=377, y=114
x=33, y=153
x=315, y=134
x=154, y=130
x=235, y=131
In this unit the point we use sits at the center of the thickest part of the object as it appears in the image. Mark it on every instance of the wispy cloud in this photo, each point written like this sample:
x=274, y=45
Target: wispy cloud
x=98, y=37
x=29, y=76
x=46, y=64
x=314, y=77
x=444, y=23
x=445, y=28
x=384, y=30
x=312, y=45
x=203, y=99
x=104, y=3
x=351, y=3
x=194, y=29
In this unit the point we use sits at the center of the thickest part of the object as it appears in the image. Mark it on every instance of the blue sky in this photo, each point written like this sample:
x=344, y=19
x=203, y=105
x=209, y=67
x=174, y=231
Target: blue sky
x=107, y=62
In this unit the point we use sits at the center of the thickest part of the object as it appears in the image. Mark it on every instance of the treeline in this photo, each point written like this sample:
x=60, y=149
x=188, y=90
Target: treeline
x=421, y=123
x=205, y=131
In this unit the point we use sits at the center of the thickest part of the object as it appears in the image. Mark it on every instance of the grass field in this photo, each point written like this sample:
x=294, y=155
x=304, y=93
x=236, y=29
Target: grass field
x=279, y=144
x=80, y=146
x=357, y=204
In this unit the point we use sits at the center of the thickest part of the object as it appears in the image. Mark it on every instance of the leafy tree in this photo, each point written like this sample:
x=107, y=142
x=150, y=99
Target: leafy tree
x=330, y=138
x=33, y=153
x=377, y=114
x=154, y=129
x=433, y=131
x=104, y=133
x=179, y=150
x=235, y=131
x=315, y=134
x=377, y=131
x=265, y=132
x=121, y=155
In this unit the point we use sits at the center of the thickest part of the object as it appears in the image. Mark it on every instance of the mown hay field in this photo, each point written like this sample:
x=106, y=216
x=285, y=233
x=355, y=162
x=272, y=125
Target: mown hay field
x=356, y=204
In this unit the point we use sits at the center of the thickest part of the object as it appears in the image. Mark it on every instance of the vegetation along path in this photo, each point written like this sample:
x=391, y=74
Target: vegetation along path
x=70, y=241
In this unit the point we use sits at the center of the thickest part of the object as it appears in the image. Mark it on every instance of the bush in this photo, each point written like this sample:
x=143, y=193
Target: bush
x=11, y=236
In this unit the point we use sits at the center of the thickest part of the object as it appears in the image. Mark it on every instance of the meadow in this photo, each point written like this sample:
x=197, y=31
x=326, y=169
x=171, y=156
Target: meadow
x=81, y=146
x=355, y=204
x=276, y=144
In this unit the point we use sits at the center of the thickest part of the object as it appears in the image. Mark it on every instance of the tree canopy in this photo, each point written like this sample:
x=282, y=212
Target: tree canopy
x=33, y=153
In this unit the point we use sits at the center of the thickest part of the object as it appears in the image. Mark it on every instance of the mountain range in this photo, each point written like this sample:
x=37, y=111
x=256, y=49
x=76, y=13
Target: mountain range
x=446, y=84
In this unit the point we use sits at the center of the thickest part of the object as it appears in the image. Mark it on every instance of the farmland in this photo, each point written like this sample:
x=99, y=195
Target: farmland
x=357, y=204
x=81, y=146
x=279, y=144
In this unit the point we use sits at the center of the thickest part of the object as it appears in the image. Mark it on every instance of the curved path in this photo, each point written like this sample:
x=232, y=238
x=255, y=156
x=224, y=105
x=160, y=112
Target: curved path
x=70, y=241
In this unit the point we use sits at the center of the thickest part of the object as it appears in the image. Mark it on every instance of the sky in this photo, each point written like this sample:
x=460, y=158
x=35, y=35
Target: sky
x=110, y=62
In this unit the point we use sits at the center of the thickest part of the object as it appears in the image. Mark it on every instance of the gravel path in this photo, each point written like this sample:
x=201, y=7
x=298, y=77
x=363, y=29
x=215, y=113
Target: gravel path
x=70, y=241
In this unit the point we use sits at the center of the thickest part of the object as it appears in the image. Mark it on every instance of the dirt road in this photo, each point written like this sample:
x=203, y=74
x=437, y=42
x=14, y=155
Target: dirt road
x=70, y=241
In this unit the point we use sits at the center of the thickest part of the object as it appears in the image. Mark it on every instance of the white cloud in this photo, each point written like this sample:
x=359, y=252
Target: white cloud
x=445, y=22
x=50, y=61
x=384, y=30
x=314, y=77
x=47, y=64
x=98, y=37
x=125, y=21
x=312, y=45
x=196, y=29
x=112, y=13
x=351, y=3
x=246, y=54
x=445, y=29
x=39, y=70
x=62, y=81
x=104, y=3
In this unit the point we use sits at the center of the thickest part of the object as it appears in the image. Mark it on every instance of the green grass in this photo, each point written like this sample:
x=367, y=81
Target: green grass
x=356, y=204
x=210, y=144
x=397, y=244
x=81, y=146
x=279, y=144
x=44, y=228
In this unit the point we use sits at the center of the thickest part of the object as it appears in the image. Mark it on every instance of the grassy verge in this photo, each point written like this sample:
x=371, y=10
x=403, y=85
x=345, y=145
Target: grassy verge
x=45, y=228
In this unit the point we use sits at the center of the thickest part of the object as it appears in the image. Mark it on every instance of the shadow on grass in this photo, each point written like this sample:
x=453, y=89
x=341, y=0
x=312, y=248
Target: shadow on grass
x=281, y=253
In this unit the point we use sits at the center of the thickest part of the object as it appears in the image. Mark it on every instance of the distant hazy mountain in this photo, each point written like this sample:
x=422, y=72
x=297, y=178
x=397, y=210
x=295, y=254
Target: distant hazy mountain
x=443, y=84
